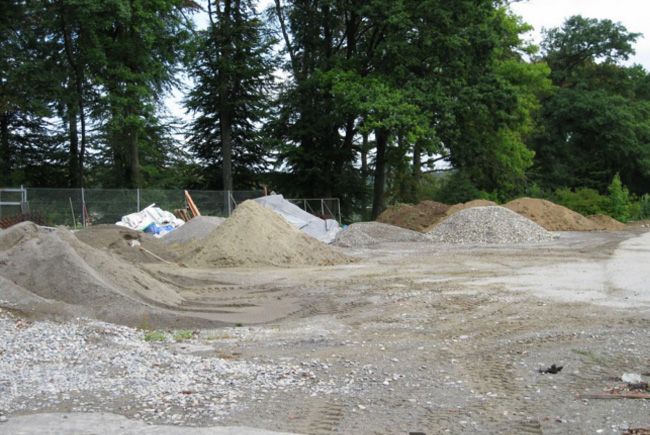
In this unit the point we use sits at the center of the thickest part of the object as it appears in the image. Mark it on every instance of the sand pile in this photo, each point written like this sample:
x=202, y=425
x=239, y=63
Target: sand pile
x=49, y=271
x=364, y=234
x=469, y=204
x=551, y=216
x=195, y=229
x=606, y=223
x=414, y=217
x=126, y=243
x=255, y=235
x=488, y=225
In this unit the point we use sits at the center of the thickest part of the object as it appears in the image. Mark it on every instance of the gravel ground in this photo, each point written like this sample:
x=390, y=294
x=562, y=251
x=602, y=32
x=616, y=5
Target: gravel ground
x=414, y=337
x=488, y=225
x=365, y=234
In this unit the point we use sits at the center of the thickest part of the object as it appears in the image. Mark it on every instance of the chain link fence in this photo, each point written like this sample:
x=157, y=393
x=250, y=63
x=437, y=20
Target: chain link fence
x=107, y=206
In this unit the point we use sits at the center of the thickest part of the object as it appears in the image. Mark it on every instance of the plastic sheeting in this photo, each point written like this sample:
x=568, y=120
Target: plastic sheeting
x=324, y=230
x=151, y=219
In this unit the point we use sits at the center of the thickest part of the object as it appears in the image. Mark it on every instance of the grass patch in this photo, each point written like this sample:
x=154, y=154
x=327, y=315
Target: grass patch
x=183, y=334
x=154, y=336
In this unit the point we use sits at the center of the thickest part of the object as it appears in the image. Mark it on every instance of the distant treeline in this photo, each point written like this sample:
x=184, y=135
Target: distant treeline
x=360, y=100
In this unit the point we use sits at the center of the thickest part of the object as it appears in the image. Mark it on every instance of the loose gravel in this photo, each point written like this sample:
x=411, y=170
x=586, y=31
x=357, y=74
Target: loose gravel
x=488, y=225
x=88, y=365
x=365, y=234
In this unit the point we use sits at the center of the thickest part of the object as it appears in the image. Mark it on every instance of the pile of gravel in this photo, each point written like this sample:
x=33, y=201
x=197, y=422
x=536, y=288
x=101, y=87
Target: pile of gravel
x=488, y=225
x=195, y=229
x=364, y=234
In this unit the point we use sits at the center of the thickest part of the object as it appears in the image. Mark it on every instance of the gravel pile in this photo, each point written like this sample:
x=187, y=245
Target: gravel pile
x=195, y=229
x=94, y=366
x=364, y=234
x=488, y=225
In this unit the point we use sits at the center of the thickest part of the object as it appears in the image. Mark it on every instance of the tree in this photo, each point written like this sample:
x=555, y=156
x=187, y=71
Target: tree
x=233, y=72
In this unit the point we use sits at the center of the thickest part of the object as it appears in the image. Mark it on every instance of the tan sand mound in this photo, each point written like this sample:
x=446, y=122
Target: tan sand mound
x=551, y=216
x=364, y=234
x=255, y=235
x=469, y=204
x=606, y=223
x=414, y=217
x=126, y=243
x=50, y=270
x=488, y=225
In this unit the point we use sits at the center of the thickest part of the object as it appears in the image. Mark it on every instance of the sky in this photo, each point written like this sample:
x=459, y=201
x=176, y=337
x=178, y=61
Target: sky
x=633, y=14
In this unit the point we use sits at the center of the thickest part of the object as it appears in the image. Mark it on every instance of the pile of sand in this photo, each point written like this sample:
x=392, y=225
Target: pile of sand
x=255, y=235
x=49, y=271
x=551, y=216
x=606, y=223
x=469, y=204
x=126, y=243
x=364, y=234
x=195, y=229
x=488, y=225
x=414, y=217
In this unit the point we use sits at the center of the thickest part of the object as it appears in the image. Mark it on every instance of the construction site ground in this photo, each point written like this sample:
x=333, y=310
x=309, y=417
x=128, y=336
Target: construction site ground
x=413, y=337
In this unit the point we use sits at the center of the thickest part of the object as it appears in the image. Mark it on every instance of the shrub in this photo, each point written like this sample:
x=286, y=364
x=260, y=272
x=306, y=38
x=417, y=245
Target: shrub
x=154, y=336
x=619, y=198
x=183, y=334
x=583, y=200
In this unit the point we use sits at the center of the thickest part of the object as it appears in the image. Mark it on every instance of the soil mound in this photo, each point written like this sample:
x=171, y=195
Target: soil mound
x=48, y=270
x=126, y=243
x=255, y=235
x=551, y=216
x=470, y=204
x=606, y=223
x=364, y=234
x=414, y=217
x=488, y=225
x=195, y=229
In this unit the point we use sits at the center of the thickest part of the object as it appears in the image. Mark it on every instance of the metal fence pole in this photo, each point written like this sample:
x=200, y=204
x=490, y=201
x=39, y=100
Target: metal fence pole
x=137, y=200
x=83, y=208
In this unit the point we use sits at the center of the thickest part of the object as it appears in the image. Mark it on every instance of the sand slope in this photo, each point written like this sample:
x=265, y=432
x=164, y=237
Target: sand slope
x=551, y=216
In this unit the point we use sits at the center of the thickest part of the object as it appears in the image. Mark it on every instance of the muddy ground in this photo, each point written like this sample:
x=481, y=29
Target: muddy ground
x=423, y=338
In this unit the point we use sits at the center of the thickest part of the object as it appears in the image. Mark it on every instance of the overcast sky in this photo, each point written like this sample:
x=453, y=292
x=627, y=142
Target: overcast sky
x=633, y=14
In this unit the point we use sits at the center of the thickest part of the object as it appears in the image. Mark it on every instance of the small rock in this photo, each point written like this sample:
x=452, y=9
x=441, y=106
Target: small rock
x=631, y=378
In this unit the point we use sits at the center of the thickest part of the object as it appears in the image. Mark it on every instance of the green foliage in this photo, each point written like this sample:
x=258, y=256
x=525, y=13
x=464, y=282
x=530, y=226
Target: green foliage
x=642, y=208
x=619, y=198
x=584, y=200
x=458, y=188
x=152, y=336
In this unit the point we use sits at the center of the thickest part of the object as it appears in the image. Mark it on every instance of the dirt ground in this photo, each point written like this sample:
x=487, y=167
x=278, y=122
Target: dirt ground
x=418, y=337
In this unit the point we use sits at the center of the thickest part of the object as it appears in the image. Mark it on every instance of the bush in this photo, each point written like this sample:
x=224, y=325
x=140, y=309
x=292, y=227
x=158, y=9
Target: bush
x=620, y=202
x=583, y=200
x=643, y=207
x=154, y=336
x=458, y=188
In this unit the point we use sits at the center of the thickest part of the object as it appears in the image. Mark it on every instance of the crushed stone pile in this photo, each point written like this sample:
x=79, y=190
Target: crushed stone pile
x=606, y=223
x=414, y=217
x=255, y=235
x=488, y=225
x=48, y=271
x=195, y=229
x=126, y=243
x=551, y=216
x=364, y=234
x=469, y=204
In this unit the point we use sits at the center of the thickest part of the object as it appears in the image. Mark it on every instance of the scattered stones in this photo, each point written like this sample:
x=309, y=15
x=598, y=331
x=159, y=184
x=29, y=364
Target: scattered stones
x=365, y=234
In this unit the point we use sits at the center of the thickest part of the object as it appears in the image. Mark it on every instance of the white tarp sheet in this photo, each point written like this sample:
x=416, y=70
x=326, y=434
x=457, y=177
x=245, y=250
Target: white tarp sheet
x=141, y=220
x=324, y=230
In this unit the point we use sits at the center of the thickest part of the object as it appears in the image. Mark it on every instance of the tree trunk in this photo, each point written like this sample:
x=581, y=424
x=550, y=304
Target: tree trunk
x=226, y=150
x=135, y=158
x=381, y=137
x=417, y=161
x=5, y=150
x=73, y=163
x=364, y=156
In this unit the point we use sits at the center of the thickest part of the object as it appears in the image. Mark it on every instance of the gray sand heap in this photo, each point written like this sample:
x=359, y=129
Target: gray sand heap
x=133, y=246
x=488, y=225
x=48, y=271
x=255, y=235
x=364, y=234
x=195, y=229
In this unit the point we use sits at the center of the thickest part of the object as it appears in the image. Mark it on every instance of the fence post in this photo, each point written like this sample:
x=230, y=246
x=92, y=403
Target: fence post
x=83, y=208
x=137, y=200
x=322, y=208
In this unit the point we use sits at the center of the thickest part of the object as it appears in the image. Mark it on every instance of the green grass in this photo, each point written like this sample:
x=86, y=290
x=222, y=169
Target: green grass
x=154, y=336
x=183, y=334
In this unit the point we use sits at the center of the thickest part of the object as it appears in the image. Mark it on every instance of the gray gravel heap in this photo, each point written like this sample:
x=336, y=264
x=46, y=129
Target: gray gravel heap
x=364, y=234
x=197, y=228
x=488, y=225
